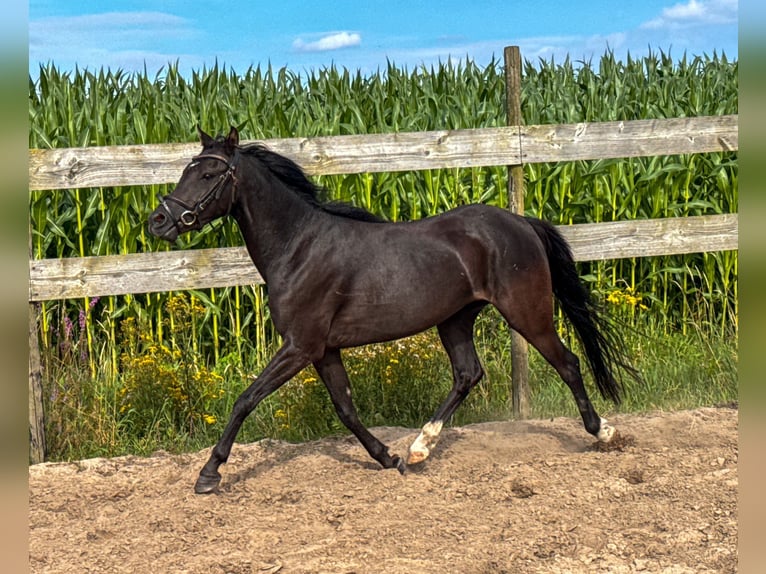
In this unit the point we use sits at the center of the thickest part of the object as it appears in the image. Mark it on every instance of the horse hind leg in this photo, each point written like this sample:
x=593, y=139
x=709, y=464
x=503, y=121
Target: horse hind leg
x=535, y=324
x=567, y=365
x=456, y=334
x=334, y=375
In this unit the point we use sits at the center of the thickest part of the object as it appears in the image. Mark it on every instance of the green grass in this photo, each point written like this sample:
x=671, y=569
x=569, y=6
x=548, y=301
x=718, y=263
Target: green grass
x=679, y=371
x=399, y=383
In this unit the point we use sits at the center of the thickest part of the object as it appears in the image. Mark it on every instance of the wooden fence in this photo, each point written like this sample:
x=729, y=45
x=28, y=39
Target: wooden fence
x=202, y=268
x=512, y=146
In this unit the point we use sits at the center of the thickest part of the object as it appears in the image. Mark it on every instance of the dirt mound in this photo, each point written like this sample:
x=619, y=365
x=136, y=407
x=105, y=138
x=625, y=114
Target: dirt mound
x=516, y=497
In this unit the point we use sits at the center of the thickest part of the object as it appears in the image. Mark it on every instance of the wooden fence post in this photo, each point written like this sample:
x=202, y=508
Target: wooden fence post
x=36, y=416
x=519, y=347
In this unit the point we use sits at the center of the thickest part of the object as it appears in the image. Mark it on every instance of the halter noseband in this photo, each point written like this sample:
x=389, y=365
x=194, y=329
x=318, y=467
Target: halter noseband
x=189, y=216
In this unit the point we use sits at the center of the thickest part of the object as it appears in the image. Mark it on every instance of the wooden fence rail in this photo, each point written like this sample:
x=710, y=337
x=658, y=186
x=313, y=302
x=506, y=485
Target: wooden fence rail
x=163, y=163
x=223, y=267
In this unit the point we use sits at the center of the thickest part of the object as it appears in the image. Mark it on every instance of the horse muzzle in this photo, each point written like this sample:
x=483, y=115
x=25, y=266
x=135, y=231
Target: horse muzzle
x=163, y=225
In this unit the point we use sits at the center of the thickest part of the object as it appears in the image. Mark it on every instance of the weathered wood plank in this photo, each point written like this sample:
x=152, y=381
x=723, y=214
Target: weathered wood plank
x=652, y=237
x=140, y=273
x=106, y=166
x=163, y=163
x=519, y=345
x=205, y=268
x=36, y=412
x=630, y=139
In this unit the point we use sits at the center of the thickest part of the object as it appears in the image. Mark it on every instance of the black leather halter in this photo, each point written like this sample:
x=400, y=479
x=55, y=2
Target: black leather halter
x=190, y=214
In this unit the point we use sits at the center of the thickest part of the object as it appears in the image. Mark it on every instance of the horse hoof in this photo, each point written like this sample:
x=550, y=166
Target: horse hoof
x=399, y=464
x=427, y=439
x=417, y=456
x=207, y=483
x=606, y=433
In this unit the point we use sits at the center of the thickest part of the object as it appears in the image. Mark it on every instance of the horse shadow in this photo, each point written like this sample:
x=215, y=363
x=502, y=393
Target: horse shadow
x=346, y=451
x=341, y=449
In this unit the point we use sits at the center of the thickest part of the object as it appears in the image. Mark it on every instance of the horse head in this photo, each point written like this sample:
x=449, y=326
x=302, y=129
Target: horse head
x=206, y=191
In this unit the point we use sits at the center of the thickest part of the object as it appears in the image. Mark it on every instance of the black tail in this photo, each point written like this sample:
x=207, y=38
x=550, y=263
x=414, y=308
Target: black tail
x=602, y=344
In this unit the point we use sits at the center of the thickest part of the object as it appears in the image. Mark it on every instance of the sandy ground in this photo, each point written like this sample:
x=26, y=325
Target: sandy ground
x=507, y=497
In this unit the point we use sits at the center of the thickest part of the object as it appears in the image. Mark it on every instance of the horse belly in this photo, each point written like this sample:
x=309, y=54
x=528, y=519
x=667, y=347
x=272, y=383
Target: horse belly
x=399, y=303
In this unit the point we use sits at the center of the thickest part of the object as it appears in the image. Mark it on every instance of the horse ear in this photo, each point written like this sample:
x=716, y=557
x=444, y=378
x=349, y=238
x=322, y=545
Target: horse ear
x=205, y=139
x=232, y=140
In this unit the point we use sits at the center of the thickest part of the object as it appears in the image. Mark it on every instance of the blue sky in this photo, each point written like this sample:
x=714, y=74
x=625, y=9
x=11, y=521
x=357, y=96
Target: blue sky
x=365, y=35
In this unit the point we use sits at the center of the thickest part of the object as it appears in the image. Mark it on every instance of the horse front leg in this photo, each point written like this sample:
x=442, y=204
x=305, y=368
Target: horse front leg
x=285, y=364
x=333, y=374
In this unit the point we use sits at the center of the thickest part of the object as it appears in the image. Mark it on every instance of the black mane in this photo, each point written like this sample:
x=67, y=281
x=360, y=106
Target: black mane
x=291, y=174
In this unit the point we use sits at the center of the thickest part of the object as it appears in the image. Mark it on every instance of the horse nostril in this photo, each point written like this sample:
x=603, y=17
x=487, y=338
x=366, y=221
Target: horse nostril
x=159, y=219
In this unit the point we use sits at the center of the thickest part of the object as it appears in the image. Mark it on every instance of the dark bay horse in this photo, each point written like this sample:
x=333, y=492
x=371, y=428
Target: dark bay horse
x=340, y=277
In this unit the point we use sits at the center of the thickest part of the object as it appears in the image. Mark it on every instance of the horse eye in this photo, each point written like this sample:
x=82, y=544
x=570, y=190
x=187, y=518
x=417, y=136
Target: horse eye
x=207, y=175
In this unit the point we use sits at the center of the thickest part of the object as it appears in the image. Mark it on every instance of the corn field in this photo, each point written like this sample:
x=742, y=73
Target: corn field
x=111, y=107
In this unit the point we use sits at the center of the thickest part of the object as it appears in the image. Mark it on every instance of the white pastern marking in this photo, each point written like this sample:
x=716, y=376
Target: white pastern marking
x=427, y=439
x=606, y=432
x=432, y=429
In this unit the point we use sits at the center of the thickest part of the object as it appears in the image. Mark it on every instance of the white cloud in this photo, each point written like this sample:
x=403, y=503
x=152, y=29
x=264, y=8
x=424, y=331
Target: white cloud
x=335, y=41
x=110, y=38
x=695, y=13
x=95, y=27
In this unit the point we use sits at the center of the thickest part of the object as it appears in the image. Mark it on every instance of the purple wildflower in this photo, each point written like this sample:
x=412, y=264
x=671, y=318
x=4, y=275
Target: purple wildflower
x=68, y=326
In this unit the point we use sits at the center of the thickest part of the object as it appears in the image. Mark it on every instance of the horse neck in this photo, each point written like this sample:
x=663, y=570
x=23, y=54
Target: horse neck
x=270, y=217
